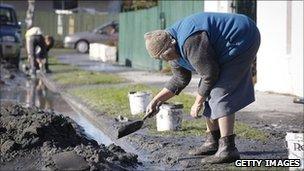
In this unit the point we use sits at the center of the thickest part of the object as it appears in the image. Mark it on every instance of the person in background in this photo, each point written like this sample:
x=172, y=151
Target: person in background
x=37, y=47
x=49, y=41
x=220, y=48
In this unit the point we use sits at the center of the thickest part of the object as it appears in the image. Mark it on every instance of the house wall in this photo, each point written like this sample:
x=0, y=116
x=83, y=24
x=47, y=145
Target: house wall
x=280, y=57
x=217, y=6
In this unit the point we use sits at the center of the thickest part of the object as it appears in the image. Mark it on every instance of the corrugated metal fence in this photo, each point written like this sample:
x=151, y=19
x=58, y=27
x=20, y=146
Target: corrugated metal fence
x=175, y=10
x=133, y=25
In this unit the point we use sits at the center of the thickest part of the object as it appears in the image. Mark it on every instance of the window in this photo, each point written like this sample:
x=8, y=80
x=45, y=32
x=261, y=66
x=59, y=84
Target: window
x=7, y=17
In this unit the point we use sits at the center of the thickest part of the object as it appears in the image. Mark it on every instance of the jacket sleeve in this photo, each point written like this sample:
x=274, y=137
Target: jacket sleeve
x=202, y=57
x=180, y=79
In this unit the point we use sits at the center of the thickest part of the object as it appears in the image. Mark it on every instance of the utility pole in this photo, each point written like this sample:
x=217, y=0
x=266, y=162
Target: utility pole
x=30, y=14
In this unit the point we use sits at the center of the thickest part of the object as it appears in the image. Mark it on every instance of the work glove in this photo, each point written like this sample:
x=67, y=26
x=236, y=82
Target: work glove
x=153, y=108
x=196, y=108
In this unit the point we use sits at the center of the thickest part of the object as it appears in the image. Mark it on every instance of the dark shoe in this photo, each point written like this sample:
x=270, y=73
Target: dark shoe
x=226, y=153
x=210, y=146
x=48, y=71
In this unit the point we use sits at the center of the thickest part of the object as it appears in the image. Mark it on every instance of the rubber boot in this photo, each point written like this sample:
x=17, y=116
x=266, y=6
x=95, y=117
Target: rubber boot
x=210, y=146
x=47, y=69
x=32, y=73
x=226, y=153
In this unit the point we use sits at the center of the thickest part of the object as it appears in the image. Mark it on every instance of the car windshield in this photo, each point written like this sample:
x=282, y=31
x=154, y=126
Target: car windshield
x=105, y=28
x=7, y=17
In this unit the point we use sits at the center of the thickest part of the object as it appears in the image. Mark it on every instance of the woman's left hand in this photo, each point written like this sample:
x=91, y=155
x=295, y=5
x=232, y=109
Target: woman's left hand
x=196, y=108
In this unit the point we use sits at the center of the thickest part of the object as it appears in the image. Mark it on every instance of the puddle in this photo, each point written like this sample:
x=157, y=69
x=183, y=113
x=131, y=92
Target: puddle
x=33, y=92
x=102, y=67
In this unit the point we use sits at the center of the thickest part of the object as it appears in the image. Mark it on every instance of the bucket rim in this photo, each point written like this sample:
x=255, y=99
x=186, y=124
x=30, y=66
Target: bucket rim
x=295, y=132
x=295, y=137
x=167, y=105
x=139, y=93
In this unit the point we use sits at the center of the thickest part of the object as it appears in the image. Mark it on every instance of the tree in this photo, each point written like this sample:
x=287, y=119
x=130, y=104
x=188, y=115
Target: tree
x=30, y=14
x=131, y=5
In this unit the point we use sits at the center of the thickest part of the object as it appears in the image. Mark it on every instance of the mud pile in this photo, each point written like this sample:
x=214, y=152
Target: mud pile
x=53, y=142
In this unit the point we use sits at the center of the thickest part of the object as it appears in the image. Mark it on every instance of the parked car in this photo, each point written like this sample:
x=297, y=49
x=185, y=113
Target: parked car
x=106, y=34
x=10, y=34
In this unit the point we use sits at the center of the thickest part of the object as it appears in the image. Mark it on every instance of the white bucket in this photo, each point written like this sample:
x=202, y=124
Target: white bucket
x=295, y=145
x=169, y=117
x=139, y=102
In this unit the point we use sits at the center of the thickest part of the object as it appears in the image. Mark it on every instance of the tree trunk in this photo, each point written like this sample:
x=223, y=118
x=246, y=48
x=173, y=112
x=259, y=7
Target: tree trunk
x=30, y=14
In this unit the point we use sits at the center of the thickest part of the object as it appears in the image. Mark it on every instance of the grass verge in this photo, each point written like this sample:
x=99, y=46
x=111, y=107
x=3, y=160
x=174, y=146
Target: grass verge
x=114, y=101
x=65, y=74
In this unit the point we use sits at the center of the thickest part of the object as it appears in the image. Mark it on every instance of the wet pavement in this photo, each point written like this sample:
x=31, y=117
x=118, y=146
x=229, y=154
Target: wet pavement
x=83, y=61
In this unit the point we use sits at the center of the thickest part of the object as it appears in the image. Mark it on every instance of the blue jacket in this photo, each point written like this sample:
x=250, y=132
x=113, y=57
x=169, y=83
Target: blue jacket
x=229, y=34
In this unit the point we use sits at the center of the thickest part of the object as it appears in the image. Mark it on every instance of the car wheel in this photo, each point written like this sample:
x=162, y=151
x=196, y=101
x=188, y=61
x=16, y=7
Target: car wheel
x=82, y=46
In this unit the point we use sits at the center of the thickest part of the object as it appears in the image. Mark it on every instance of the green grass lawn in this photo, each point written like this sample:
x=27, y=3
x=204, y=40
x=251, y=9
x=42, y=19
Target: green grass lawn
x=80, y=77
x=65, y=74
x=57, y=67
x=114, y=101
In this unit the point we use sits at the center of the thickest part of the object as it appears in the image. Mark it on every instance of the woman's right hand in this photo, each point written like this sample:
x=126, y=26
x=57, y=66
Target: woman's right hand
x=153, y=108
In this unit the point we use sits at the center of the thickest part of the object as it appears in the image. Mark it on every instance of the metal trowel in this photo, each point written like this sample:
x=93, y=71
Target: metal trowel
x=134, y=126
x=131, y=127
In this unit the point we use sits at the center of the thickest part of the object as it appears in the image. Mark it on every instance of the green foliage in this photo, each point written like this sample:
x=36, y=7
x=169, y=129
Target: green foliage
x=131, y=5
